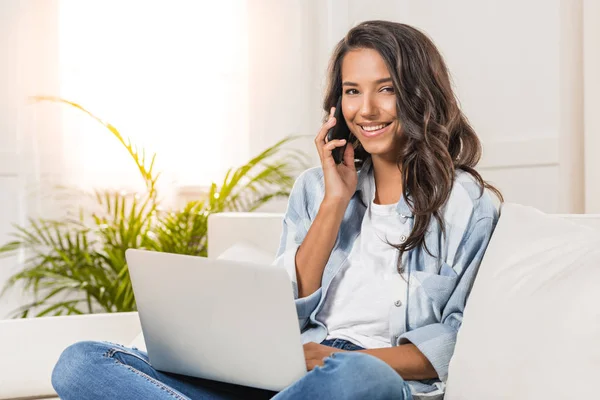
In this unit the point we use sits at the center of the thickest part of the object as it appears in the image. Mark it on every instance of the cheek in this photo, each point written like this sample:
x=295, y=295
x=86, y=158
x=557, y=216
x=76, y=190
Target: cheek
x=390, y=107
x=349, y=110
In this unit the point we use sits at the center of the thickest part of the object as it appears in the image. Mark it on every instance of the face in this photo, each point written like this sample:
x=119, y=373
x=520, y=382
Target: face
x=369, y=102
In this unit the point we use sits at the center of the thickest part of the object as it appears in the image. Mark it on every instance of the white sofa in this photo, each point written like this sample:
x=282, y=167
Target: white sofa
x=29, y=348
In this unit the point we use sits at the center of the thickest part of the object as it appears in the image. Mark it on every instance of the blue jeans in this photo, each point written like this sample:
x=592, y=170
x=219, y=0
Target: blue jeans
x=101, y=370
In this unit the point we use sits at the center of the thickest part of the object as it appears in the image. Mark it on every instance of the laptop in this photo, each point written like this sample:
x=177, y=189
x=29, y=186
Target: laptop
x=223, y=320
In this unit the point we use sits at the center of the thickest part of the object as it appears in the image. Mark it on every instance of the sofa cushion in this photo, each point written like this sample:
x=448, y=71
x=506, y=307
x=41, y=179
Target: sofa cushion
x=261, y=230
x=247, y=252
x=532, y=322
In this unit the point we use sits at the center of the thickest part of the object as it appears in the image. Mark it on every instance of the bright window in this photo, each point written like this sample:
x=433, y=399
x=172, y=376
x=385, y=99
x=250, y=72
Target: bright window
x=172, y=75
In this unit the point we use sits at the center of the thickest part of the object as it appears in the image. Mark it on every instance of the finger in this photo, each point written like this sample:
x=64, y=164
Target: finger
x=329, y=146
x=316, y=363
x=320, y=139
x=328, y=150
x=349, y=156
x=330, y=123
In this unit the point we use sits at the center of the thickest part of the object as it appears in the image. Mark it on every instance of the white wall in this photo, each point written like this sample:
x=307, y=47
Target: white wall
x=517, y=70
x=591, y=63
x=517, y=67
x=284, y=87
x=283, y=90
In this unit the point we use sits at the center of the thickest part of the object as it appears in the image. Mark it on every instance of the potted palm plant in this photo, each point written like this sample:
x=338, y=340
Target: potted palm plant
x=76, y=265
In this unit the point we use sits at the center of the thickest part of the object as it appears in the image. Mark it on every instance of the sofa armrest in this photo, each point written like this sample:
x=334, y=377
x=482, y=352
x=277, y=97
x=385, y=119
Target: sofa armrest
x=29, y=348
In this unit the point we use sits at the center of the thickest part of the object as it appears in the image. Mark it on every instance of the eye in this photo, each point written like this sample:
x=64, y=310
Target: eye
x=351, y=90
x=389, y=89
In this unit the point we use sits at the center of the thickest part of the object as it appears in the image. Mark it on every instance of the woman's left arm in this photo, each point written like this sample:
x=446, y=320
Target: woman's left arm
x=407, y=360
x=425, y=352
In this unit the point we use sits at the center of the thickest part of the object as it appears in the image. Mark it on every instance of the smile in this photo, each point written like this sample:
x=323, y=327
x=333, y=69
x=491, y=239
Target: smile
x=371, y=131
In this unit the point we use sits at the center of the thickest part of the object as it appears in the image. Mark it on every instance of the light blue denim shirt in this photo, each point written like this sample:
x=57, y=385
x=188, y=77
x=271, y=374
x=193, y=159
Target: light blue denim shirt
x=438, y=287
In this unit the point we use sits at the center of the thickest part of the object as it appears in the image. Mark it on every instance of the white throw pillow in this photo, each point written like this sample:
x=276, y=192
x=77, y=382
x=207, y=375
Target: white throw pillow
x=531, y=328
x=246, y=252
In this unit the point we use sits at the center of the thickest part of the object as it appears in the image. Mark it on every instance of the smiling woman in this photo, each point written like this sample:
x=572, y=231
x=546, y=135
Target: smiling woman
x=381, y=259
x=168, y=75
x=370, y=92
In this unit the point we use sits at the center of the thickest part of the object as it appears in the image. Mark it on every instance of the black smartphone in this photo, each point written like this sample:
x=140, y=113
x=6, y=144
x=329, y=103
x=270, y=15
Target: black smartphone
x=339, y=131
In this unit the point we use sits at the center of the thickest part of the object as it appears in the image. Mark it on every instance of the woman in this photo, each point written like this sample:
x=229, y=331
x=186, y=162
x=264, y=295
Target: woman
x=382, y=258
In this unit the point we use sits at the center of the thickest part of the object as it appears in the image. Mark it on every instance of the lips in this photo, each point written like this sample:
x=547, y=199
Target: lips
x=377, y=132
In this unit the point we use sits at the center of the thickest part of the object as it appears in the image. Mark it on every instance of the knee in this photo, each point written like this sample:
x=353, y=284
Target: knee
x=75, y=362
x=363, y=376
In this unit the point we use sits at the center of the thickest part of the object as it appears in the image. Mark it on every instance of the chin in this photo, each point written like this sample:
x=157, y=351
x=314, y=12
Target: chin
x=378, y=149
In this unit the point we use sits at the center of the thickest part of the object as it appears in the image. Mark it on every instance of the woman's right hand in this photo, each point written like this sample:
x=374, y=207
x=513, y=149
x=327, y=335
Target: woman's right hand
x=340, y=179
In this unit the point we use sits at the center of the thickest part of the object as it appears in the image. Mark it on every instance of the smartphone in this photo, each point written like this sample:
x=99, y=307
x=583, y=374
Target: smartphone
x=339, y=131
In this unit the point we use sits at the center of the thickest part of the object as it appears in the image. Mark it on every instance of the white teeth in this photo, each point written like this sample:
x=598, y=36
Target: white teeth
x=374, y=128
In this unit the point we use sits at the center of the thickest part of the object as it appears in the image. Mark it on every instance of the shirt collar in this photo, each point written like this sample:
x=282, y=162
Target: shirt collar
x=366, y=187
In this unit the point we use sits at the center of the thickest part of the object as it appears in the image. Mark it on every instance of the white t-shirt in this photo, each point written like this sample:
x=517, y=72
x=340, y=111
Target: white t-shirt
x=361, y=295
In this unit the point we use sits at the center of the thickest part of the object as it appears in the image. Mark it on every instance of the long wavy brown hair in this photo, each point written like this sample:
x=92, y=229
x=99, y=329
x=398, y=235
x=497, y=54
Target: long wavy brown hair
x=436, y=137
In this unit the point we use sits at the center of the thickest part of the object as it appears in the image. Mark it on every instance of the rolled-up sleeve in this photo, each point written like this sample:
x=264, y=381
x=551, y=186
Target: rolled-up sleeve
x=296, y=223
x=437, y=341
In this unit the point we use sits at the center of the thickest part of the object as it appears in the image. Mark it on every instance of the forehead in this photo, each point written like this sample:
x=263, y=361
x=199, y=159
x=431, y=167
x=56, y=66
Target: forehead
x=363, y=66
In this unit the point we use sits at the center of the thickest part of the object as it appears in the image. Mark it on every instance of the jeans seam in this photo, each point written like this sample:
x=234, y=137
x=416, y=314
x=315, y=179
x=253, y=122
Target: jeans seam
x=111, y=352
x=150, y=379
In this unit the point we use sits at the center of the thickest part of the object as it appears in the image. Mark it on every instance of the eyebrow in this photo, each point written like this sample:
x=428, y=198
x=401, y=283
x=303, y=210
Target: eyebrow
x=378, y=81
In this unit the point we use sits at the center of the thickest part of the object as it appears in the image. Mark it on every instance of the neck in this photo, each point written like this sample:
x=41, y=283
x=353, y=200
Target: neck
x=388, y=181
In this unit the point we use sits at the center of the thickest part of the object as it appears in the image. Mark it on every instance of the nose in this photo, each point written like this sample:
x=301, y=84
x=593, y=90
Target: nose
x=368, y=109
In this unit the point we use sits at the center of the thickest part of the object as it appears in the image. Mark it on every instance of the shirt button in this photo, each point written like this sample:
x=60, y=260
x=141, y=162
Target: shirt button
x=402, y=238
x=397, y=303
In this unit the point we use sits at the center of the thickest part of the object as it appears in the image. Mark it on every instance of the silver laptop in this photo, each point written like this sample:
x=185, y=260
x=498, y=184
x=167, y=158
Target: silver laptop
x=222, y=320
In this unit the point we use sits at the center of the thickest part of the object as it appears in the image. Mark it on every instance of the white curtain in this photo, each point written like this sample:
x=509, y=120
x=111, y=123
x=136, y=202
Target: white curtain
x=30, y=134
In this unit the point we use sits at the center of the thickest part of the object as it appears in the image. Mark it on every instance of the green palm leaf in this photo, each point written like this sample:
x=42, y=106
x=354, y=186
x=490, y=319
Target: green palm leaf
x=77, y=264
